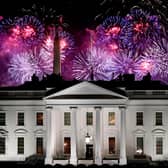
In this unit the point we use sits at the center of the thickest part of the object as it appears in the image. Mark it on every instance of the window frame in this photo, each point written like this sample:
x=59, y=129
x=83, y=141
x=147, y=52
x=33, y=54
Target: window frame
x=69, y=119
x=111, y=124
x=155, y=121
x=39, y=124
x=20, y=112
x=38, y=153
x=88, y=123
x=22, y=148
x=2, y=112
x=4, y=138
x=137, y=124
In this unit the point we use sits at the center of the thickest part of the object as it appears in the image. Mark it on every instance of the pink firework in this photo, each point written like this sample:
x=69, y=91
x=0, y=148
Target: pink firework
x=30, y=31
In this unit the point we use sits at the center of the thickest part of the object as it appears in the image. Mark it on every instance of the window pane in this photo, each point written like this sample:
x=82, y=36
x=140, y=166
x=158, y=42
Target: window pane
x=20, y=145
x=67, y=145
x=159, y=145
x=159, y=118
x=111, y=118
x=20, y=118
x=139, y=118
x=39, y=118
x=111, y=145
x=89, y=118
x=140, y=143
x=67, y=118
x=2, y=119
x=2, y=145
x=39, y=146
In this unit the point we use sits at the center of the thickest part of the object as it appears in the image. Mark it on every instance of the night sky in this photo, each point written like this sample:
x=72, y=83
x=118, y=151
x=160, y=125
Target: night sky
x=77, y=13
x=105, y=38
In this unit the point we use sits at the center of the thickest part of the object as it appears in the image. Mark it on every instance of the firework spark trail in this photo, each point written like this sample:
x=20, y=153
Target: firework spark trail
x=21, y=68
x=92, y=62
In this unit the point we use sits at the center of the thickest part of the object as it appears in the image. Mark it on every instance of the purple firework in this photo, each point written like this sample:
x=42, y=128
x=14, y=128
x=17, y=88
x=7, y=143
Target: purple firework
x=67, y=44
x=21, y=68
x=115, y=30
x=30, y=31
x=157, y=56
x=122, y=62
x=146, y=28
x=91, y=64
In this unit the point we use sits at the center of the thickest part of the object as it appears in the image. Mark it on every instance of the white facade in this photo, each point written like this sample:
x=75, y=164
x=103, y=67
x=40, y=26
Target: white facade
x=77, y=100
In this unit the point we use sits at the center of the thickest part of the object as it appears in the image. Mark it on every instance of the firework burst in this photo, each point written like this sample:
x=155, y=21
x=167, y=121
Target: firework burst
x=30, y=31
x=146, y=28
x=115, y=31
x=91, y=65
x=21, y=68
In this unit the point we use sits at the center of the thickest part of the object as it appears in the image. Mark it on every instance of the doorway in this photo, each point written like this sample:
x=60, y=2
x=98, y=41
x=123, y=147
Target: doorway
x=89, y=151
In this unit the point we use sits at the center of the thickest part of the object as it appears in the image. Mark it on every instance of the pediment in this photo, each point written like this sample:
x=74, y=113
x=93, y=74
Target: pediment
x=158, y=131
x=139, y=131
x=39, y=132
x=3, y=132
x=85, y=90
x=20, y=131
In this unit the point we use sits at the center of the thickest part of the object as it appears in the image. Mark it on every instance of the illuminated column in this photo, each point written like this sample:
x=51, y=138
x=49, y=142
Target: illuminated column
x=98, y=155
x=49, y=157
x=73, y=157
x=123, y=158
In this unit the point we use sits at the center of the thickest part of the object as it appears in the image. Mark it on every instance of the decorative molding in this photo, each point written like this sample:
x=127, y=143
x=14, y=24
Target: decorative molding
x=139, y=131
x=39, y=132
x=20, y=131
x=158, y=131
x=3, y=132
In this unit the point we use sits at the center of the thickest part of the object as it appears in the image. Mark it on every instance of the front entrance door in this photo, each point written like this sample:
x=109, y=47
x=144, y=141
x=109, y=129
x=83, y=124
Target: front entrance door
x=89, y=151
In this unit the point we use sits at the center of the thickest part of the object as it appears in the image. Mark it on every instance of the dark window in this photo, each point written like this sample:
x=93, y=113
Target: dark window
x=159, y=118
x=2, y=119
x=89, y=118
x=111, y=145
x=20, y=145
x=20, y=119
x=159, y=145
x=67, y=118
x=140, y=143
x=2, y=145
x=67, y=145
x=39, y=145
x=39, y=118
x=139, y=118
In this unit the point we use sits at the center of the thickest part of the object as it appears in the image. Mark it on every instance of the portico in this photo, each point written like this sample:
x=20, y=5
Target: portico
x=79, y=99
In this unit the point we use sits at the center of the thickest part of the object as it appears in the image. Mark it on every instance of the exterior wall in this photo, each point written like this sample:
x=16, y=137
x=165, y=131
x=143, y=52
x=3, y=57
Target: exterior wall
x=29, y=131
x=149, y=130
x=62, y=131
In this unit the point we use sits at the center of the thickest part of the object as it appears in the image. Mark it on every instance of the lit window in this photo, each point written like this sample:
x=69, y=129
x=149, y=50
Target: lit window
x=159, y=118
x=39, y=145
x=20, y=119
x=2, y=119
x=39, y=118
x=111, y=145
x=67, y=145
x=159, y=145
x=139, y=143
x=111, y=118
x=89, y=118
x=67, y=118
x=2, y=145
x=139, y=118
x=20, y=145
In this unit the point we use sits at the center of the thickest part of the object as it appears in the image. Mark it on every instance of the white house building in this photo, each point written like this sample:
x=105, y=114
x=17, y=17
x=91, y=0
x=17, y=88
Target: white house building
x=84, y=123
